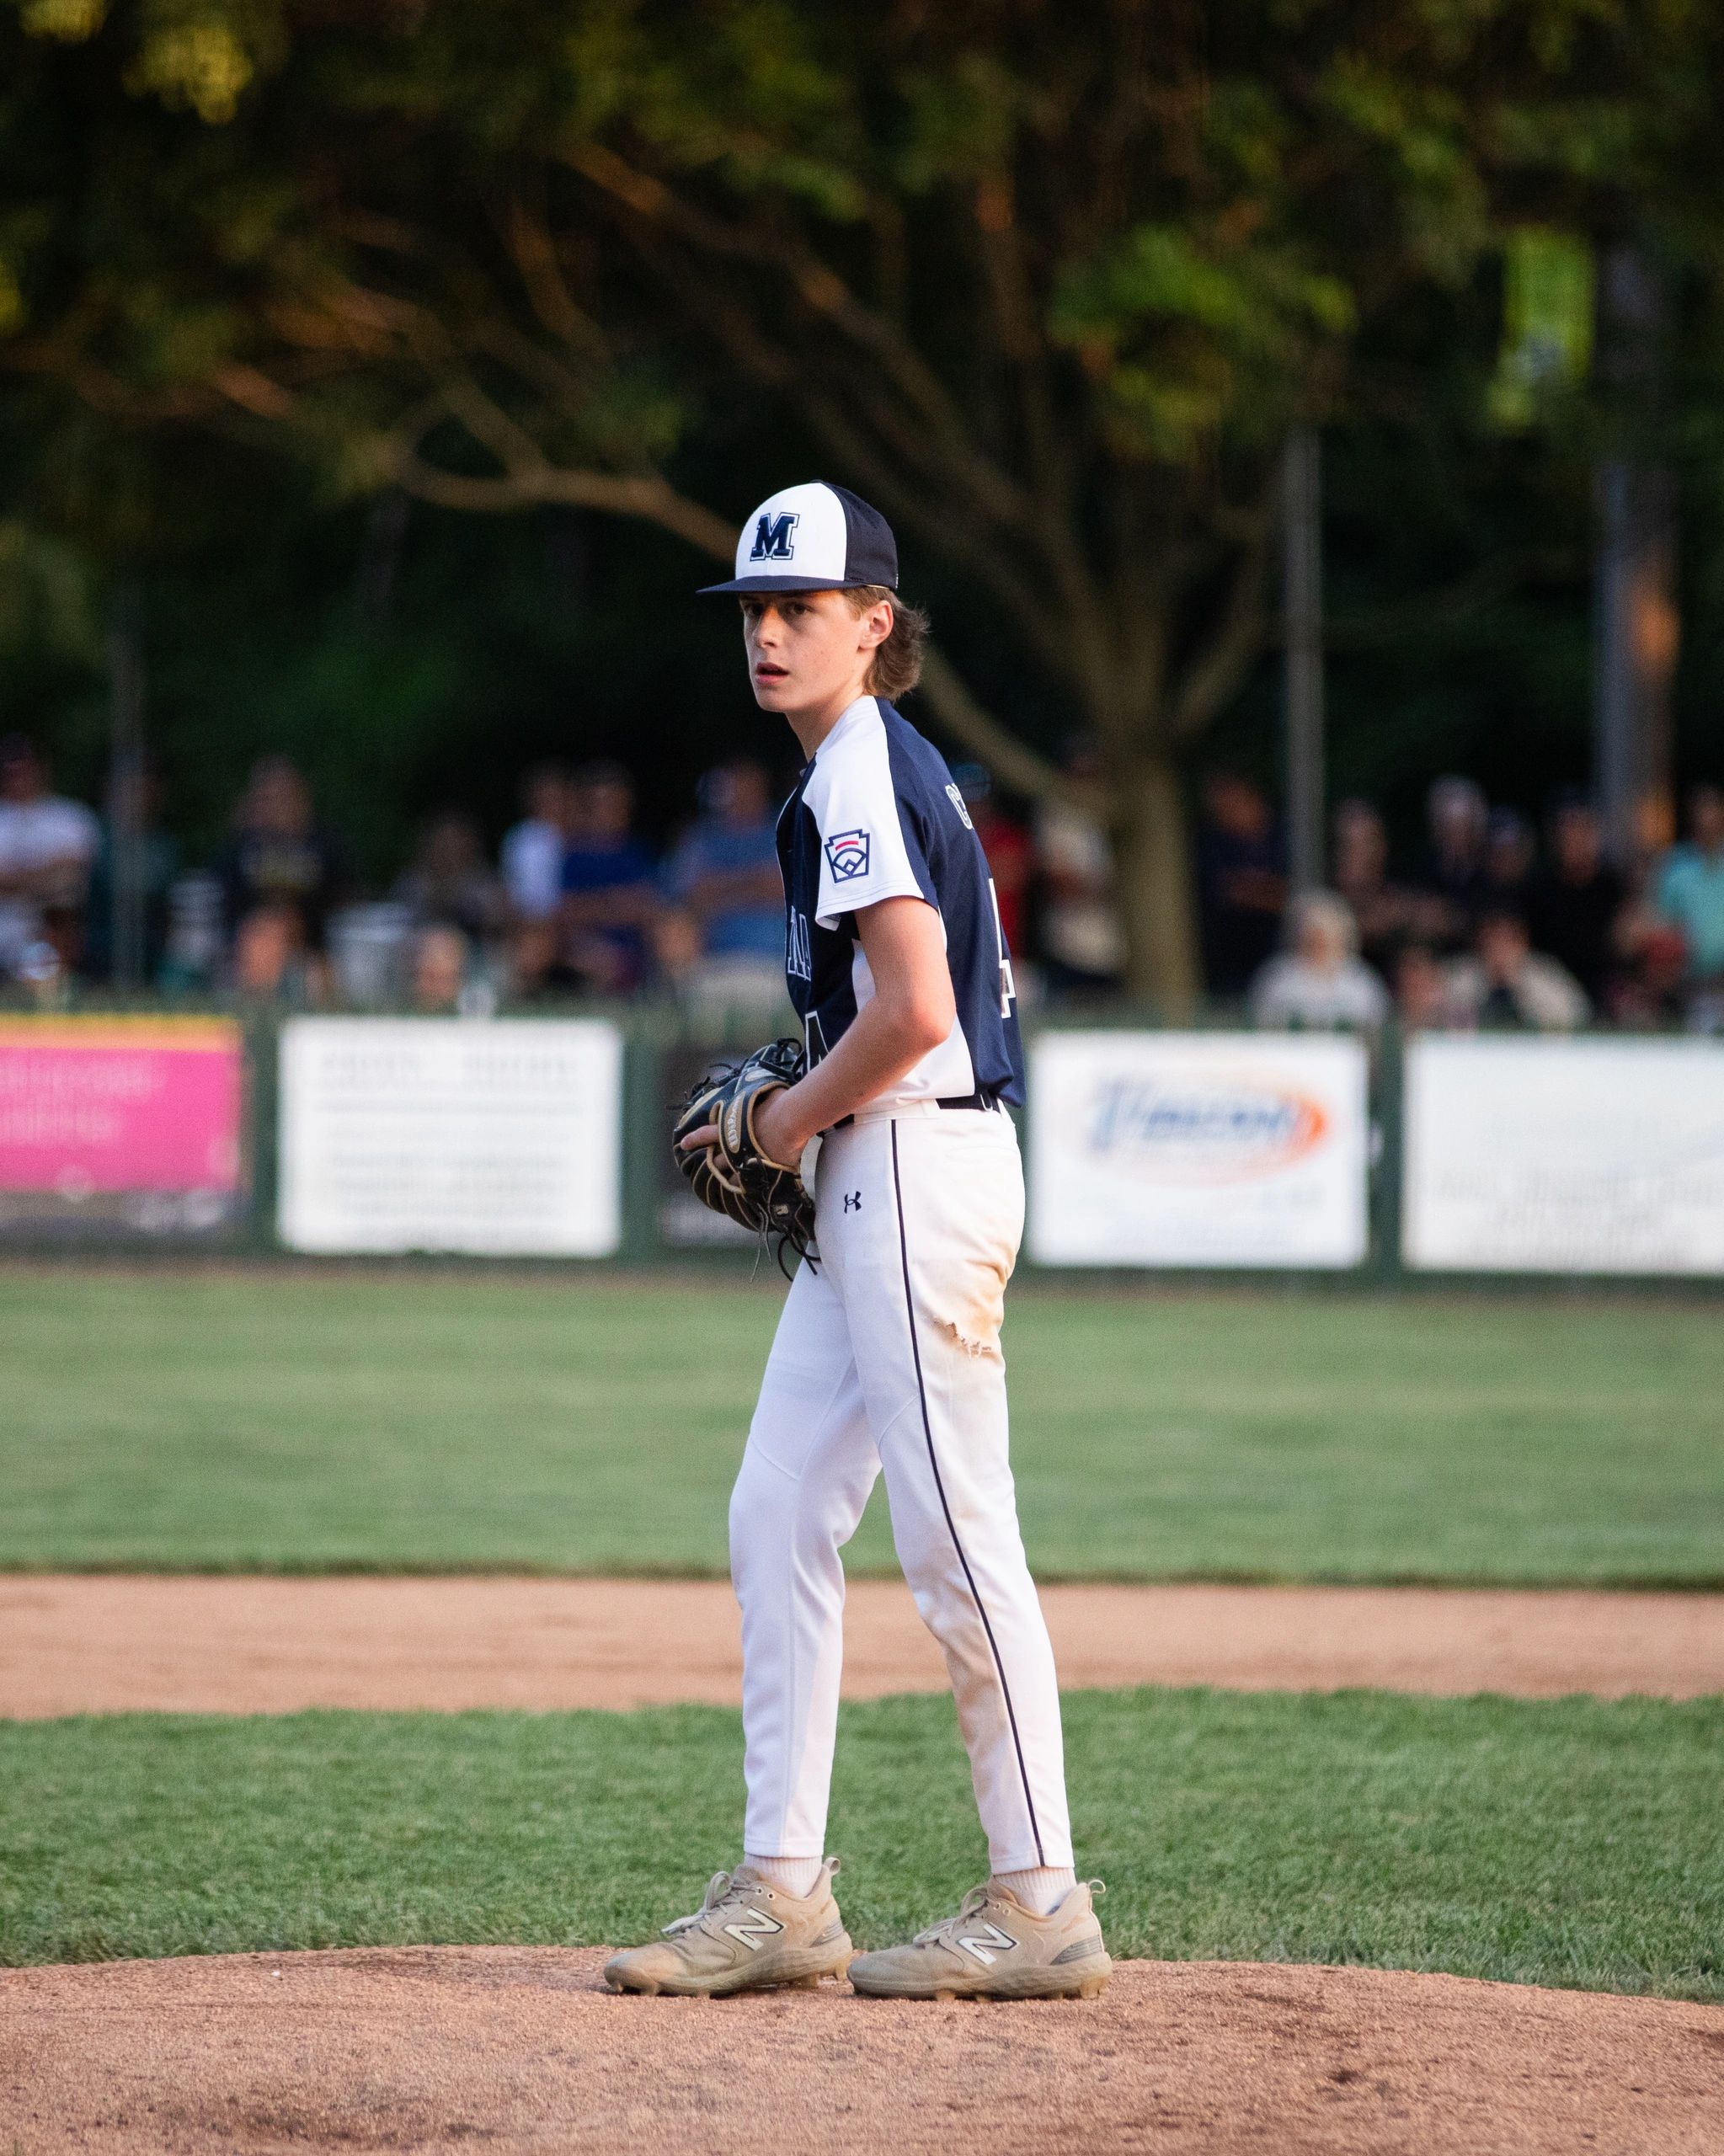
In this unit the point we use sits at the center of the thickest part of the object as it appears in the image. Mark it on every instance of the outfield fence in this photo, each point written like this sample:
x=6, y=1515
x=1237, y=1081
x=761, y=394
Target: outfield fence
x=543, y=1136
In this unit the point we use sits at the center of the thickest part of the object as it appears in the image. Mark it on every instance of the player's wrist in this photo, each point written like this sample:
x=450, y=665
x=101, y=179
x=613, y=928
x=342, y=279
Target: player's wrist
x=782, y=1127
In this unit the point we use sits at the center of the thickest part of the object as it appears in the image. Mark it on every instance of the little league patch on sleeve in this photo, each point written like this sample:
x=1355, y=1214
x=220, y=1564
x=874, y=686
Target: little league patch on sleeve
x=848, y=853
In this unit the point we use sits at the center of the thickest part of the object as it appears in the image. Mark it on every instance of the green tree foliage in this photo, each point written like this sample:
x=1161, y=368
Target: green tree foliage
x=1050, y=285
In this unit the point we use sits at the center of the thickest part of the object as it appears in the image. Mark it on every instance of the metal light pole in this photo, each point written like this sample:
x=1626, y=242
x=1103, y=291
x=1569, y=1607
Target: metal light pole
x=1637, y=620
x=1302, y=613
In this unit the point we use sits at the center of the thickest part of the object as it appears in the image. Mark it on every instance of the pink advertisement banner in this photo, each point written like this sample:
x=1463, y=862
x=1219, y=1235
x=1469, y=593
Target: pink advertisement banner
x=98, y=1105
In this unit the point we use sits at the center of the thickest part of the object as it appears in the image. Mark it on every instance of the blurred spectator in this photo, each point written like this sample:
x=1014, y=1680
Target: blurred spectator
x=1509, y=853
x=1082, y=941
x=1421, y=989
x=193, y=942
x=1322, y=981
x=370, y=953
x=271, y=960
x=1383, y=910
x=1574, y=903
x=533, y=849
x=725, y=872
x=1507, y=985
x=532, y=872
x=1651, y=989
x=156, y=868
x=281, y=860
x=440, y=960
x=610, y=905
x=451, y=884
x=47, y=846
x=1241, y=883
x=1451, y=876
x=1010, y=850
x=720, y=938
x=1688, y=890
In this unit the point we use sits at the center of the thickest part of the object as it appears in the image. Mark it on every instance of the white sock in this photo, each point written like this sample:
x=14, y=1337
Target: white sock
x=1042, y=1890
x=796, y=1875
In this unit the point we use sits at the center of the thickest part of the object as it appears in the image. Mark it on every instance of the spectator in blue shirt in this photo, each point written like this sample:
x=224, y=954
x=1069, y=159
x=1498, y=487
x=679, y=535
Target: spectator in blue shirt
x=610, y=905
x=725, y=872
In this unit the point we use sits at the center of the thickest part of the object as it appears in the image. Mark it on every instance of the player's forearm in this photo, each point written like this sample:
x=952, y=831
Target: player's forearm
x=887, y=1040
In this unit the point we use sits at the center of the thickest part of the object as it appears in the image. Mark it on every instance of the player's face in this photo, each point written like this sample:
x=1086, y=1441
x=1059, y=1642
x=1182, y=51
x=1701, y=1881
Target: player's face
x=805, y=648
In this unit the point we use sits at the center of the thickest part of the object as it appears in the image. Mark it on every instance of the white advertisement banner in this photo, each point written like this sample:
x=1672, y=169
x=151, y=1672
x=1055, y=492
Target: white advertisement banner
x=1564, y=1157
x=1197, y=1150
x=496, y=1138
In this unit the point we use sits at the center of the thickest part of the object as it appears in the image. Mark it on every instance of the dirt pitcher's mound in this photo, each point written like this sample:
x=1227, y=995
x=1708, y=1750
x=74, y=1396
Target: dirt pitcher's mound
x=515, y=2048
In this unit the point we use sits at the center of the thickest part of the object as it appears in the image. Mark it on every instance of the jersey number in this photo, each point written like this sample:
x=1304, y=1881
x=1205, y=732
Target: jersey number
x=1008, y=987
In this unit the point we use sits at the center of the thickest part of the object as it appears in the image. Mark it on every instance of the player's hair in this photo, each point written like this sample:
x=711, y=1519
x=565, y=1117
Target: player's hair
x=897, y=665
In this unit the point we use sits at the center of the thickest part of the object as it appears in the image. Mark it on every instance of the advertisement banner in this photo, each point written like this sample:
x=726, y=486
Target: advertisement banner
x=119, y=1126
x=1197, y=1150
x=493, y=1137
x=1564, y=1157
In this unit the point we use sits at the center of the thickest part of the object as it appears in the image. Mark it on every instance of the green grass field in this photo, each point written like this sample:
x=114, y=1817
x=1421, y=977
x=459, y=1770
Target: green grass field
x=286, y=1420
x=425, y=1420
x=1561, y=1841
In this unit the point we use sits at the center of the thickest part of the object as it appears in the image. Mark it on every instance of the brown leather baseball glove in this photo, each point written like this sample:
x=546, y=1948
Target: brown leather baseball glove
x=735, y=1177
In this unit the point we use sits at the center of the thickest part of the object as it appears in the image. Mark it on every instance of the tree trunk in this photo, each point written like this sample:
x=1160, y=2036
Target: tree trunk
x=1153, y=864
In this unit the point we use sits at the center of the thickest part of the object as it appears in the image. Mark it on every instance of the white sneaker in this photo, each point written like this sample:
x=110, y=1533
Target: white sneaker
x=749, y=1934
x=996, y=1948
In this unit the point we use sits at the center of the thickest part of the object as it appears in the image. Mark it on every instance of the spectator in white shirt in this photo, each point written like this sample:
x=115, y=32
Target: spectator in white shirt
x=47, y=845
x=1322, y=981
x=533, y=849
x=531, y=861
x=1082, y=939
x=1508, y=985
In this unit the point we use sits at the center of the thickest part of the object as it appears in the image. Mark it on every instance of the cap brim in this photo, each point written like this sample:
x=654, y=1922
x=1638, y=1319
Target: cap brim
x=769, y=584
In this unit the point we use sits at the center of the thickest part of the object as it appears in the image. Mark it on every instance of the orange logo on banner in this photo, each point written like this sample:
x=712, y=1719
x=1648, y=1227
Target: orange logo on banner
x=1202, y=1130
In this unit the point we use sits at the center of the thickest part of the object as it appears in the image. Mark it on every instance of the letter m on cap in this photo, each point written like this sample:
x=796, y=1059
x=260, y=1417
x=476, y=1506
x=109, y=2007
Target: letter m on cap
x=772, y=537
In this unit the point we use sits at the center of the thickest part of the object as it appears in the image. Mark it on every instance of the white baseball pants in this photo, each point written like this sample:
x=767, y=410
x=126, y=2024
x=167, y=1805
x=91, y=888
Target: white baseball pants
x=888, y=1355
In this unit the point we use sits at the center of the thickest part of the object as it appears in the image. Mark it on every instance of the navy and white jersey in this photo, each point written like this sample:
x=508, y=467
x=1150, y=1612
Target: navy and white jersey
x=875, y=814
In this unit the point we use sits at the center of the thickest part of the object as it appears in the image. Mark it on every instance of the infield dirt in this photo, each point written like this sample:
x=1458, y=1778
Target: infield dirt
x=98, y=1644
x=518, y=2050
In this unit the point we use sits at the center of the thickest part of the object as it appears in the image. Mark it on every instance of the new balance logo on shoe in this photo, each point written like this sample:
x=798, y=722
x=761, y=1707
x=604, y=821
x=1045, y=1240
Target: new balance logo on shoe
x=989, y=1945
x=753, y=1928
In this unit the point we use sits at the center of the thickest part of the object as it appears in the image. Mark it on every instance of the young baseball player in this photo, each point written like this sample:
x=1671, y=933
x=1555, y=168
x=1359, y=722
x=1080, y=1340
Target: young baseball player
x=888, y=1354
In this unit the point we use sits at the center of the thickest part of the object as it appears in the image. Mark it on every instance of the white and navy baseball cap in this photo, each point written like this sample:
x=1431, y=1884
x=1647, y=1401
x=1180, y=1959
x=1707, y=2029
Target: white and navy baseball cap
x=813, y=538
